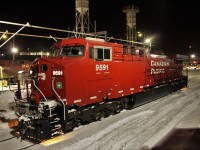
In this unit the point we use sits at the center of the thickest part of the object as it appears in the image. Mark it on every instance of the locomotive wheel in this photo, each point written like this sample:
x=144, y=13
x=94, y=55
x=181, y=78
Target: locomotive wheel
x=131, y=103
x=78, y=122
x=99, y=115
x=126, y=103
x=70, y=125
x=103, y=114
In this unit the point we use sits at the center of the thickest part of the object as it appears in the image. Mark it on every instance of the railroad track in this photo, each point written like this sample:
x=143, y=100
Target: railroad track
x=14, y=143
x=7, y=139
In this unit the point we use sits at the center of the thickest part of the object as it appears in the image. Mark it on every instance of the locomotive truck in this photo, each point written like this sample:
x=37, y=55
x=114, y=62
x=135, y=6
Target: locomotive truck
x=87, y=79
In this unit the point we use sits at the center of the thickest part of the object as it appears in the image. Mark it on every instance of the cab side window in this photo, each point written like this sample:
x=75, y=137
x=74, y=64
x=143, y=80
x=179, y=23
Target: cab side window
x=102, y=54
x=99, y=53
x=91, y=52
x=107, y=54
x=141, y=52
x=133, y=51
x=125, y=49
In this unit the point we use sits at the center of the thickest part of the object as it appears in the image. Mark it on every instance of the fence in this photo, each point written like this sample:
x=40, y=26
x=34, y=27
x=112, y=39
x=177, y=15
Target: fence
x=8, y=84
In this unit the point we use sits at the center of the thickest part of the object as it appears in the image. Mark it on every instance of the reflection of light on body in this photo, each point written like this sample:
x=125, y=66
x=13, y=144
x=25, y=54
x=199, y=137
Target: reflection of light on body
x=59, y=139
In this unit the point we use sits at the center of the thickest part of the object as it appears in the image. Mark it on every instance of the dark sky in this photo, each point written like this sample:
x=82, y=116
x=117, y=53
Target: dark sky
x=174, y=24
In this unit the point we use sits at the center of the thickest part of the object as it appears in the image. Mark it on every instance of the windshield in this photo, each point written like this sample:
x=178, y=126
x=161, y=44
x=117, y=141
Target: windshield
x=75, y=50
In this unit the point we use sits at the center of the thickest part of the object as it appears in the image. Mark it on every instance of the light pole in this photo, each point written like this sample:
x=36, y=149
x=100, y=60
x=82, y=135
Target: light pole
x=189, y=57
x=14, y=51
x=141, y=36
x=148, y=41
x=4, y=36
x=193, y=56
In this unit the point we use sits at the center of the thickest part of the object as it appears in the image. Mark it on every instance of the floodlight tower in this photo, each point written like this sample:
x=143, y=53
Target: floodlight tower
x=82, y=17
x=130, y=12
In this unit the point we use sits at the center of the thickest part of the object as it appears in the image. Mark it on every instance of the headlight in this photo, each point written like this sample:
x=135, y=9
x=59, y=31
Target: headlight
x=31, y=71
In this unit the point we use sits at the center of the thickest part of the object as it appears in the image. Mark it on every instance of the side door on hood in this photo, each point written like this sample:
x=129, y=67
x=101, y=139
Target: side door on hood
x=100, y=75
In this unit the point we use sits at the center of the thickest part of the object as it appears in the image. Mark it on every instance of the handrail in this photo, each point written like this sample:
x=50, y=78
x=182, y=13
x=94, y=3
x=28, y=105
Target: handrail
x=53, y=78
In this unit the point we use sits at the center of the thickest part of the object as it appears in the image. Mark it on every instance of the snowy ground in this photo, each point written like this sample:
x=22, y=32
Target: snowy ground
x=144, y=127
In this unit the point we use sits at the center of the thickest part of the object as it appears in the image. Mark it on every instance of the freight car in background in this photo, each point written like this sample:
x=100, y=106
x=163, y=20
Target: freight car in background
x=11, y=71
x=89, y=78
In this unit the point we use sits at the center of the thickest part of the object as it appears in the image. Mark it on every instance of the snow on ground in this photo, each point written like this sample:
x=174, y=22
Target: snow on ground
x=140, y=128
x=6, y=97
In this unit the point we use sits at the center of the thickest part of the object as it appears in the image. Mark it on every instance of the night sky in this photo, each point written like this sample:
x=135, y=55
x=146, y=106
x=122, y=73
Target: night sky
x=174, y=24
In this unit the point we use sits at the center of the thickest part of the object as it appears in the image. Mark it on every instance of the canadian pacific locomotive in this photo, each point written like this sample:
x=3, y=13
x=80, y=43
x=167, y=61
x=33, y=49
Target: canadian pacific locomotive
x=88, y=79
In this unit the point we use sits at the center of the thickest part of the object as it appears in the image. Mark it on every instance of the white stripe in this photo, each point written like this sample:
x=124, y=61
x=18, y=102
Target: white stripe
x=77, y=101
x=131, y=89
x=141, y=87
x=109, y=93
x=120, y=91
x=93, y=97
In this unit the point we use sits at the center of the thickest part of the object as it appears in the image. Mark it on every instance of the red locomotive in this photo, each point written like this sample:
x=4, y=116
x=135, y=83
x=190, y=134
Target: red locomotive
x=88, y=79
